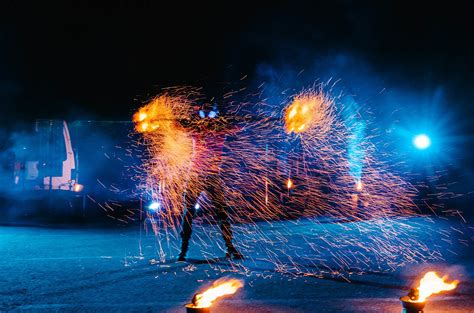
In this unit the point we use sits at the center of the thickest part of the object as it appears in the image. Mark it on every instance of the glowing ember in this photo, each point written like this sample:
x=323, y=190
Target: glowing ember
x=431, y=283
x=205, y=299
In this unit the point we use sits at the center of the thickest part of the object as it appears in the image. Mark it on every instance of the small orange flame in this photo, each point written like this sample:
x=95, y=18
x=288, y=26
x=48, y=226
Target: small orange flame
x=289, y=183
x=78, y=187
x=431, y=283
x=205, y=299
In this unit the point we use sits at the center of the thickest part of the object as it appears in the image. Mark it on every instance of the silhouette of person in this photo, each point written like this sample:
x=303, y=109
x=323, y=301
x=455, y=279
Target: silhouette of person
x=209, y=132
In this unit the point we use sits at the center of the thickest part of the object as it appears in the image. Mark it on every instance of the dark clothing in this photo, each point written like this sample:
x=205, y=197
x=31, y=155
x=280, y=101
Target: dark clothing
x=216, y=194
x=208, y=138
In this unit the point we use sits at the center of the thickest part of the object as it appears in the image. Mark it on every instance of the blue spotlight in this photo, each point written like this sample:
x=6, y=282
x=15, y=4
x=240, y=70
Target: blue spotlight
x=154, y=206
x=422, y=141
x=197, y=206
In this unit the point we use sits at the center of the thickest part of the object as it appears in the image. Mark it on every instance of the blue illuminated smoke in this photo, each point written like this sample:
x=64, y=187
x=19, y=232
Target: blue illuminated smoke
x=356, y=126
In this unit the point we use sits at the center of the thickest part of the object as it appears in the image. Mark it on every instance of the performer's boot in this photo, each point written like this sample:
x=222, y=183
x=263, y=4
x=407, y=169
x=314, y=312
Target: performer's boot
x=186, y=233
x=223, y=217
x=184, y=250
x=232, y=252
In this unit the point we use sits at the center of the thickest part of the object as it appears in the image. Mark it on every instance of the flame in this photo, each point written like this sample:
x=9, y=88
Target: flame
x=158, y=114
x=205, y=299
x=359, y=185
x=431, y=283
x=289, y=183
x=306, y=111
x=141, y=116
x=78, y=187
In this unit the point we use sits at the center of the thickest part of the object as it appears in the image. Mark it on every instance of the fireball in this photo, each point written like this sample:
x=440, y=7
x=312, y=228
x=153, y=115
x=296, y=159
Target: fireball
x=308, y=110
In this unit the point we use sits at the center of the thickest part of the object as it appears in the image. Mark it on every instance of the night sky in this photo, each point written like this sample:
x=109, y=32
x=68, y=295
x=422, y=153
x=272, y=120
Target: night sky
x=98, y=60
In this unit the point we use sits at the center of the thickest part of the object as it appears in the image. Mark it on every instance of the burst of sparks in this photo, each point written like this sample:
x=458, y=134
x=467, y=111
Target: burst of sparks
x=307, y=111
x=306, y=138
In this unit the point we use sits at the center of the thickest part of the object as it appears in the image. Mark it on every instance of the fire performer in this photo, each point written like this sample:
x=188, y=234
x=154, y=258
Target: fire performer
x=209, y=132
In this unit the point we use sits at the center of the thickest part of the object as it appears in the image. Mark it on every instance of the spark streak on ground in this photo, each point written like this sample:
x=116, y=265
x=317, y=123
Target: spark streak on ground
x=289, y=164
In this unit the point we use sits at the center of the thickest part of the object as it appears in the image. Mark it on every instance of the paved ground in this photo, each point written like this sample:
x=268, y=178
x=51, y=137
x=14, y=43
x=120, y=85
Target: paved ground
x=103, y=270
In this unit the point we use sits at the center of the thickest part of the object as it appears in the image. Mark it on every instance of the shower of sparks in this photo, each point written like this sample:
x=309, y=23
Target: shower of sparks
x=169, y=153
x=278, y=164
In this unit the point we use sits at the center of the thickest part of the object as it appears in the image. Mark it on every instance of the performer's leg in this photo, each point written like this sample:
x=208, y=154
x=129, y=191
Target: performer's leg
x=218, y=200
x=187, y=226
x=226, y=230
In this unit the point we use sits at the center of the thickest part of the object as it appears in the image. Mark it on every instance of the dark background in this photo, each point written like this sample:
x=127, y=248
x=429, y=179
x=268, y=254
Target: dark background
x=410, y=64
x=94, y=59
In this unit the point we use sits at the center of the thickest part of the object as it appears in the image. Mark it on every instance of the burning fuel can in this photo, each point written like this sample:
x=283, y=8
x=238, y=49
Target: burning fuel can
x=431, y=283
x=193, y=307
x=202, y=302
x=410, y=306
x=190, y=308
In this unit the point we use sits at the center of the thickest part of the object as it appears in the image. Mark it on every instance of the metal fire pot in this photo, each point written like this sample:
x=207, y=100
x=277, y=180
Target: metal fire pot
x=190, y=308
x=410, y=306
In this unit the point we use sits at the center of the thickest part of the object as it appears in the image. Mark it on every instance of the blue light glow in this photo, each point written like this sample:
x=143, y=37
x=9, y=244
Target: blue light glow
x=154, y=206
x=422, y=141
